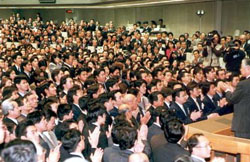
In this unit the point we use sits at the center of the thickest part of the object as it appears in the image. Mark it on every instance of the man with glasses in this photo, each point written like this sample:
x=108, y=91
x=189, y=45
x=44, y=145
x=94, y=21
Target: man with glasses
x=199, y=147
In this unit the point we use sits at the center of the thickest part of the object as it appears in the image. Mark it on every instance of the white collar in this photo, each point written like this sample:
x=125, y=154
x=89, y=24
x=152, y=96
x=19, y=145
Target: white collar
x=78, y=154
x=157, y=124
x=210, y=97
x=14, y=120
x=197, y=157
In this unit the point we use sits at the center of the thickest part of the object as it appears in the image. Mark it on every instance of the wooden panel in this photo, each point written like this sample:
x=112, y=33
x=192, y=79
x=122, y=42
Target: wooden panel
x=218, y=132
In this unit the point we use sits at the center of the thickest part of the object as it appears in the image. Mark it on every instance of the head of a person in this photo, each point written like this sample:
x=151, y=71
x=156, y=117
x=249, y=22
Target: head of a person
x=64, y=112
x=245, y=67
x=38, y=119
x=180, y=95
x=199, y=145
x=97, y=113
x=19, y=151
x=173, y=130
x=10, y=108
x=138, y=157
x=156, y=98
x=127, y=137
x=73, y=140
x=21, y=83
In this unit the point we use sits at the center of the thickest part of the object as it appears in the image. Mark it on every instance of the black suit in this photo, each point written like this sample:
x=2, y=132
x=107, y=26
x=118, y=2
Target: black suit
x=240, y=99
x=16, y=70
x=114, y=112
x=8, y=120
x=167, y=152
x=30, y=77
x=184, y=117
x=193, y=107
x=210, y=106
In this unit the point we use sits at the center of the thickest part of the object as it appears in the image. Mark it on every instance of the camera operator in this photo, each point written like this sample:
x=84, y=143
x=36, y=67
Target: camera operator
x=233, y=57
x=212, y=49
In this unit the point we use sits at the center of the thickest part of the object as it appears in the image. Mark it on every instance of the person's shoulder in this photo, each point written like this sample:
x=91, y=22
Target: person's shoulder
x=75, y=159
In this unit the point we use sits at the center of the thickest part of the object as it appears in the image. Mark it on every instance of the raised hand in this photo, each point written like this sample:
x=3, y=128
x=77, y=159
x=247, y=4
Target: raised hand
x=94, y=137
x=145, y=118
x=97, y=156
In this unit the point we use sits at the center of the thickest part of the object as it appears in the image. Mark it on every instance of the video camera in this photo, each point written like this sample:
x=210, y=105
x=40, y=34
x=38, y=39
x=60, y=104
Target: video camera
x=209, y=39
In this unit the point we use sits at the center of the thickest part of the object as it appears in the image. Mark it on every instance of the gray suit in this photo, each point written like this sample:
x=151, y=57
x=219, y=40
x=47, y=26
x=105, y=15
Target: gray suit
x=240, y=98
x=154, y=130
x=109, y=153
x=194, y=159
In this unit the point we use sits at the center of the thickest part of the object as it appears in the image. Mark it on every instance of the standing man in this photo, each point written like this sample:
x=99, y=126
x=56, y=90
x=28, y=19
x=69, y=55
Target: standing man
x=240, y=98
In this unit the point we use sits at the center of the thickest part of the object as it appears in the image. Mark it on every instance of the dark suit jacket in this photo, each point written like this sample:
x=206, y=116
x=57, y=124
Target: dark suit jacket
x=8, y=120
x=240, y=99
x=16, y=71
x=154, y=130
x=114, y=112
x=76, y=112
x=193, y=107
x=209, y=106
x=167, y=152
x=30, y=78
x=185, y=118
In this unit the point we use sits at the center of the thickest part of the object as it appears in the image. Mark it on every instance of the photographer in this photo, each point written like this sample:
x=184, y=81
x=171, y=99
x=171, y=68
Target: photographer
x=233, y=57
x=212, y=49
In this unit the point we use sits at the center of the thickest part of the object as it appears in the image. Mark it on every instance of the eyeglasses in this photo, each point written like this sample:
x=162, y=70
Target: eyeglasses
x=205, y=146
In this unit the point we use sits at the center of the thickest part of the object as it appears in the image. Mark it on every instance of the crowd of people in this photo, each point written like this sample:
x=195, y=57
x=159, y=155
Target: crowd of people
x=86, y=92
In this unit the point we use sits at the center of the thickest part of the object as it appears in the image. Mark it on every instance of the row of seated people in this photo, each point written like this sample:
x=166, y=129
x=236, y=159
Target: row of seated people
x=76, y=104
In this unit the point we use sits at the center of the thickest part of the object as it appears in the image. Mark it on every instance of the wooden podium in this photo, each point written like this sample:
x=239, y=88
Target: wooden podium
x=218, y=131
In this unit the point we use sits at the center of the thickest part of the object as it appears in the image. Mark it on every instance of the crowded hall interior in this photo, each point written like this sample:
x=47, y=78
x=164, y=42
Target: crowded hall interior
x=124, y=81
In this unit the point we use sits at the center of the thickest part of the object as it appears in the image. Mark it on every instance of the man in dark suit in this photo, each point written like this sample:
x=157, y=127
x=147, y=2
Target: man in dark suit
x=167, y=94
x=10, y=111
x=17, y=57
x=167, y=152
x=210, y=105
x=240, y=98
x=27, y=71
x=155, y=128
x=40, y=123
x=68, y=64
x=96, y=118
x=156, y=99
x=182, y=112
x=73, y=96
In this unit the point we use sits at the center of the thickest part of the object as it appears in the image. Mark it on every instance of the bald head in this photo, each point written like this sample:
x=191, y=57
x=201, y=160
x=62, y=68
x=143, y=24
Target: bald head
x=138, y=157
x=243, y=38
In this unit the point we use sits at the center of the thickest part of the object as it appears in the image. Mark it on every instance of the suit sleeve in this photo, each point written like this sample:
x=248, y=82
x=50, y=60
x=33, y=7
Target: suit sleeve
x=235, y=97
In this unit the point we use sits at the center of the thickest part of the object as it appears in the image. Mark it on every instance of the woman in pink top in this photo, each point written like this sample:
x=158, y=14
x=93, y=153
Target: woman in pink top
x=170, y=49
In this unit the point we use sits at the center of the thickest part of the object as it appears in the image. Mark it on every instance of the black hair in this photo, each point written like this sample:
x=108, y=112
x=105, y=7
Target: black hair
x=21, y=129
x=71, y=93
x=63, y=109
x=128, y=136
x=35, y=116
x=193, y=141
x=95, y=111
x=174, y=130
x=19, y=78
x=70, y=140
